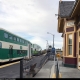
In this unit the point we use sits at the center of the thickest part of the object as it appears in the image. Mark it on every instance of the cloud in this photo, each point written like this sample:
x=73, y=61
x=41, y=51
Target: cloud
x=31, y=19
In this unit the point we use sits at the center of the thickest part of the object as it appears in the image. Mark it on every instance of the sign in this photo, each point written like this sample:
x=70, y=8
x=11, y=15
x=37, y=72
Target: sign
x=53, y=51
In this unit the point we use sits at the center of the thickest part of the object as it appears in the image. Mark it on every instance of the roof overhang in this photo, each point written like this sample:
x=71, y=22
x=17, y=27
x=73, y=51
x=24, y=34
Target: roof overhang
x=60, y=25
x=76, y=9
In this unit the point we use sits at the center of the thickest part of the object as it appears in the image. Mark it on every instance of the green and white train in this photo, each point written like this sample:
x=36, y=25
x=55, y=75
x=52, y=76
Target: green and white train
x=36, y=49
x=13, y=47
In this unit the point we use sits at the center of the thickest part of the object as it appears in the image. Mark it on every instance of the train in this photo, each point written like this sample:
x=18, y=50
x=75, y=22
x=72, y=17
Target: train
x=37, y=50
x=14, y=47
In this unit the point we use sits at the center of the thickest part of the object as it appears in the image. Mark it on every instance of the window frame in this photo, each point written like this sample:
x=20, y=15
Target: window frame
x=7, y=34
x=15, y=38
x=18, y=40
x=67, y=50
x=10, y=36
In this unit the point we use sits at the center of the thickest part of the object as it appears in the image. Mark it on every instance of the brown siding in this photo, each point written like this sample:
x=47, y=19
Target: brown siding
x=69, y=29
x=70, y=60
x=78, y=27
x=75, y=44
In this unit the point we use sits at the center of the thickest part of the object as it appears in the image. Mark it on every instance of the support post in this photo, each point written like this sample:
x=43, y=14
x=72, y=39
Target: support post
x=21, y=68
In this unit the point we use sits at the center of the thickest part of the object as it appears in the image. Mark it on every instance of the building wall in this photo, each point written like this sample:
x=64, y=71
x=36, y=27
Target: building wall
x=69, y=60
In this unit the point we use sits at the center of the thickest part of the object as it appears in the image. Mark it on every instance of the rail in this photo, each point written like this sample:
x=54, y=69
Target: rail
x=31, y=68
x=57, y=69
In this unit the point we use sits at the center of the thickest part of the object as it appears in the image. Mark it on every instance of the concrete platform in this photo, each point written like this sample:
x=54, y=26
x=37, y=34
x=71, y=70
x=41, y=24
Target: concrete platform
x=45, y=71
x=68, y=72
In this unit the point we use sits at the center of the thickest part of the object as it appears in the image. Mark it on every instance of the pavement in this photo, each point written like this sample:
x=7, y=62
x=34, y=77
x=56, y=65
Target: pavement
x=65, y=72
x=69, y=72
x=45, y=70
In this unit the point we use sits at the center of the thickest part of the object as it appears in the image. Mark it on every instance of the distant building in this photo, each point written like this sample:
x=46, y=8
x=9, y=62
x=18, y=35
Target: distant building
x=59, y=51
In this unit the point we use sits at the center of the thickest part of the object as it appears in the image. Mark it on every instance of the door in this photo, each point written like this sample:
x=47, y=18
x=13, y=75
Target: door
x=78, y=49
x=10, y=52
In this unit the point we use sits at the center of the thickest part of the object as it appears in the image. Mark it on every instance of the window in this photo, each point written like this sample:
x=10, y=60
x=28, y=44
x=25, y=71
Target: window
x=70, y=44
x=10, y=37
x=22, y=41
x=5, y=35
x=18, y=39
x=0, y=45
x=14, y=38
x=70, y=23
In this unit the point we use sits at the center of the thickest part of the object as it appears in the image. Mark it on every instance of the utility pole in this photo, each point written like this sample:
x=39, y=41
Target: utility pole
x=53, y=38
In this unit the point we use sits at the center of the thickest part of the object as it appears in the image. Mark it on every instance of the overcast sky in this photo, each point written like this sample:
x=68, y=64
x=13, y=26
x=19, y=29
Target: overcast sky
x=32, y=19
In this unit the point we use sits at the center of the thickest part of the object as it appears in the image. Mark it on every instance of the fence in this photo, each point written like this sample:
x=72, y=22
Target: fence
x=57, y=69
x=33, y=67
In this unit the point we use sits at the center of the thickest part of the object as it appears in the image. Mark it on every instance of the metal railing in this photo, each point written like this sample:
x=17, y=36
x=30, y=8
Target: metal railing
x=26, y=66
x=57, y=69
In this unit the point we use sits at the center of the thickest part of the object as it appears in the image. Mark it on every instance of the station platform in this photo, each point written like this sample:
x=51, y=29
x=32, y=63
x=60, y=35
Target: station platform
x=45, y=71
x=68, y=72
x=65, y=72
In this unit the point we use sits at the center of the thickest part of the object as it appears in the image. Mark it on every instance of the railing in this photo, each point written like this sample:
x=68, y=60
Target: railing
x=29, y=64
x=57, y=69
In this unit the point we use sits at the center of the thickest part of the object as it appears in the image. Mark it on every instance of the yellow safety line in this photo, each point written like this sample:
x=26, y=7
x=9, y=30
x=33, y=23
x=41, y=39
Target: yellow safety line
x=54, y=75
x=9, y=64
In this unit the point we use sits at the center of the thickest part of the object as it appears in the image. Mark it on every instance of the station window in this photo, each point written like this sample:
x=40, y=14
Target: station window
x=0, y=45
x=5, y=35
x=10, y=37
x=14, y=38
x=70, y=44
x=18, y=39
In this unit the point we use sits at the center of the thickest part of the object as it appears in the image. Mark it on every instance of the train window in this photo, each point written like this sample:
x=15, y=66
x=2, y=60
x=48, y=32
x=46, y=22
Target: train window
x=18, y=39
x=23, y=41
x=0, y=45
x=14, y=38
x=10, y=37
x=5, y=35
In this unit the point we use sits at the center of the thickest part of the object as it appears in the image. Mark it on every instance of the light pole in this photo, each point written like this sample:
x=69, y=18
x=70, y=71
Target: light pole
x=53, y=37
x=47, y=44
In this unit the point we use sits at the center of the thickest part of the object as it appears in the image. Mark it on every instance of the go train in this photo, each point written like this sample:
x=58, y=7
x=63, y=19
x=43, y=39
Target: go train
x=13, y=47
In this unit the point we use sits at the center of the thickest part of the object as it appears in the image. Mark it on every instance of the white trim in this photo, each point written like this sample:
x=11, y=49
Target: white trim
x=15, y=46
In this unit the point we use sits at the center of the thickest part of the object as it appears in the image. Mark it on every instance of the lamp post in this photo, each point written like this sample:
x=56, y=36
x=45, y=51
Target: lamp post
x=47, y=44
x=53, y=37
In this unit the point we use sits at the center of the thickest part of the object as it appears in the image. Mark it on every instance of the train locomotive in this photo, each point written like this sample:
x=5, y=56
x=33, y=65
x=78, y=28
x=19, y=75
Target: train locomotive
x=13, y=47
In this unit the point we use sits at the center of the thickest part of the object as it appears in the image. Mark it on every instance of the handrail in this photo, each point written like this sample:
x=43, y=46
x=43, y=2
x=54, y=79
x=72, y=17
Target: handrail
x=57, y=69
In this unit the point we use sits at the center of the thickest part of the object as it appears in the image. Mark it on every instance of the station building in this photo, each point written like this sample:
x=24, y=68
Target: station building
x=69, y=26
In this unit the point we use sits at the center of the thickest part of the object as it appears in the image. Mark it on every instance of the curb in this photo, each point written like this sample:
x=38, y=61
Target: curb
x=53, y=75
